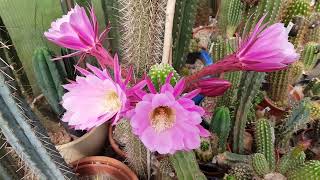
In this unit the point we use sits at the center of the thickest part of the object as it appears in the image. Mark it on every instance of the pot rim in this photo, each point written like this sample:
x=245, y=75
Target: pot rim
x=115, y=146
x=80, y=139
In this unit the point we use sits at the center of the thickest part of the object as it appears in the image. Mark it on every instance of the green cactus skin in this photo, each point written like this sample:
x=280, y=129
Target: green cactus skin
x=222, y=47
x=264, y=141
x=278, y=86
x=310, y=170
x=297, y=8
x=249, y=87
x=317, y=7
x=141, y=25
x=49, y=76
x=312, y=88
x=194, y=45
x=272, y=7
x=229, y=97
x=296, y=71
x=229, y=158
x=260, y=164
x=11, y=58
x=229, y=16
x=159, y=72
x=186, y=166
x=241, y=171
x=298, y=118
x=291, y=160
x=69, y=64
x=28, y=138
x=315, y=111
x=184, y=18
x=229, y=177
x=221, y=125
x=111, y=14
x=205, y=152
x=310, y=55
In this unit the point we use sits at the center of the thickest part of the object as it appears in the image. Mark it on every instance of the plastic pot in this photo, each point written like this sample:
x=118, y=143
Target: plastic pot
x=90, y=144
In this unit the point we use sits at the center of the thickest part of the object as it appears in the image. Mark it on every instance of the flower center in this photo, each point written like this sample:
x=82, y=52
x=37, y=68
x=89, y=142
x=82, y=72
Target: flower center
x=112, y=102
x=162, y=118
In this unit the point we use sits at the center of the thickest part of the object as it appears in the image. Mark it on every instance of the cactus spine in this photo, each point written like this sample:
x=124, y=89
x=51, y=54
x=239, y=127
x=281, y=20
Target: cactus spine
x=141, y=26
x=278, y=86
x=49, y=76
x=205, y=152
x=265, y=141
x=315, y=111
x=229, y=16
x=186, y=166
x=296, y=8
x=159, y=72
x=28, y=138
x=241, y=171
x=223, y=47
x=184, y=18
x=220, y=125
x=250, y=84
x=296, y=71
x=310, y=55
x=260, y=164
x=310, y=170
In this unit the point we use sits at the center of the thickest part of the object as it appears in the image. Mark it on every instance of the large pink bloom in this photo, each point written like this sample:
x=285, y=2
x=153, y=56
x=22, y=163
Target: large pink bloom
x=167, y=122
x=76, y=31
x=97, y=98
x=264, y=50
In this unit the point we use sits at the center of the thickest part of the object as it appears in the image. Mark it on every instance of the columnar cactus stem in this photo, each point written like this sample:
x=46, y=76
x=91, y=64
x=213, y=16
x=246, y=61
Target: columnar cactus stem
x=260, y=164
x=310, y=170
x=310, y=55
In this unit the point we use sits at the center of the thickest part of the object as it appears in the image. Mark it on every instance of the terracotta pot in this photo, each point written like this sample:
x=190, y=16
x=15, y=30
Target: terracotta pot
x=115, y=146
x=90, y=144
x=101, y=165
x=279, y=112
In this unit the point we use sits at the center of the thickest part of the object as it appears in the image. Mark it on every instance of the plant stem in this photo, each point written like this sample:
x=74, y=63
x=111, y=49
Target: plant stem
x=168, y=31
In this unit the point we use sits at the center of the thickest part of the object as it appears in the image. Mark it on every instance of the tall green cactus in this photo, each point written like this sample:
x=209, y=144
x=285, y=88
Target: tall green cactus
x=296, y=71
x=298, y=118
x=278, y=86
x=310, y=55
x=186, y=166
x=271, y=7
x=28, y=137
x=50, y=77
x=220, y=47
x=260, y=165
x=141, y=26
x=297, y=8
x=230, y=15
x=221, y=125
x=184, y=18
x=265, y=141
x=310, y=170
x=249, y=86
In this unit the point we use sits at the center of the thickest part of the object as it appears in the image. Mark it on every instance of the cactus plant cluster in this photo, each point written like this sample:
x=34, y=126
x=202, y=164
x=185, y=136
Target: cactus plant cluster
x=159, y=72
x=310, y=55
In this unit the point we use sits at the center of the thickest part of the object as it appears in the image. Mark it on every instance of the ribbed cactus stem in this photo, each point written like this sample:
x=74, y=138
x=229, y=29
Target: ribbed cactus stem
x=50, y=77
x=229, y=16
x=184, y=18
x=205, y=152
x=221, y=125
x=249, y=87
x=223, y=47
x=271, y=7
x=28, y=138
x=298, y=118
x=310, y=55
x=278, y=86
x=186, y=166
x=297, y=8
x=310, y=170
x=291, y=160
x=229, y=158
x=241, y=171
x=296, y=71
x=260, y=164
x=265, y=141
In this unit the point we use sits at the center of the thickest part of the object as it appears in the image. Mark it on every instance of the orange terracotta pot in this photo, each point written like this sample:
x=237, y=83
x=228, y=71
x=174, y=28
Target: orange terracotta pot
x=101, y=165
x=279, y=111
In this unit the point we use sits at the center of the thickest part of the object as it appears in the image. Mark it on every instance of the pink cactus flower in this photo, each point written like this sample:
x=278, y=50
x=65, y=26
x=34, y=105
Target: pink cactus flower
x=211, y=86
x=264, y=50
x=167, y=122
x=96, y=98
x=76, y=31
